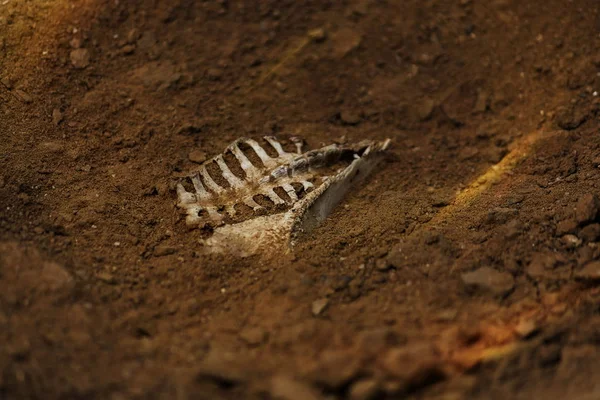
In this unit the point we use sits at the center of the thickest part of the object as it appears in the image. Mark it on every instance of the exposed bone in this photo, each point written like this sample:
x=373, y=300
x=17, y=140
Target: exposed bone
x=300, y=213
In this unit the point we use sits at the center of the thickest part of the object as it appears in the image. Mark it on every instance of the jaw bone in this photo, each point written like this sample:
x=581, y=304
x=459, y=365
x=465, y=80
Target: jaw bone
x=252, y=200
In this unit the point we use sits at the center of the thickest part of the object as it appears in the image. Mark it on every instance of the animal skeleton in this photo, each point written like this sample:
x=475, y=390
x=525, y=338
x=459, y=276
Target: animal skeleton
x=251, y=199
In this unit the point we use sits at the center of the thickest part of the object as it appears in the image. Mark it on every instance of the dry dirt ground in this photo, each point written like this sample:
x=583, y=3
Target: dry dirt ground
x=466, y=267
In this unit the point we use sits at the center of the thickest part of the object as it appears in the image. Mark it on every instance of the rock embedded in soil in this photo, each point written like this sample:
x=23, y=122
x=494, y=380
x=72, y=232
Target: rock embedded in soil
x=57, y=116
x=253, y=336
x=365, y=389
x=489, y=280
x=350, y=117
x=590, y=272
x=80, y=58
x=345, y=41
x=197, y=156
x=317, y=35
x=587, y=208
x=318, y=306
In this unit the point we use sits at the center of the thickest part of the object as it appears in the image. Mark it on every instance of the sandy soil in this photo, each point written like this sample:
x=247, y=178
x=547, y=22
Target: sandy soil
x=467, y=266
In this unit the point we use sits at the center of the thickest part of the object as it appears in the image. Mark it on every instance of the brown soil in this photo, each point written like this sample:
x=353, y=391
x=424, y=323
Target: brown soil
x=466, y=267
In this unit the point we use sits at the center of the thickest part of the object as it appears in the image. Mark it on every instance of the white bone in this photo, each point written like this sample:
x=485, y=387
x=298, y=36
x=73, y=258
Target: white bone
x=233, y=180
x=208, y=180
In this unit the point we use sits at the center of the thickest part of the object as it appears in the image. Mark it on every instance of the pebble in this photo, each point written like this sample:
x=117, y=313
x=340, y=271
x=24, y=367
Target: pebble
x=57, y=116
x=106, y=278
x=317, y=35
x=197, y=156
x=571, y=241
x=587, y=208
x=318, y=306
x=365, y=389
x=253, y=336
x=164, y=250
x=214, y=74
x=425, y=109
x=590, y=272
x=287, y=388
x=345, y=41
x=349, y=117
x=590, y=233
x=127, y=49
x=489, y=280
x=80, y=58
x=526, y=328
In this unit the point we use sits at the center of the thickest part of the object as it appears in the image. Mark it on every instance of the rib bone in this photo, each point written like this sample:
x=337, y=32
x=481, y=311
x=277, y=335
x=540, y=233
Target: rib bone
x=325, y=175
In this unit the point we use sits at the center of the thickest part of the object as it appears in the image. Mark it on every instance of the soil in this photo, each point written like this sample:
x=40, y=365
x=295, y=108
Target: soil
x=467, y=266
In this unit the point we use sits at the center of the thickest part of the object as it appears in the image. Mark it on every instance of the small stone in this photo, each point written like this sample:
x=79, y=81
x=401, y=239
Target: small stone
x=566, y=226
x=586, y=209
x=23, y=96
x=197, y=156
x=106, y=278
x=571, y=241
x=318, y=306
x=214, y=74
x=253, y=336
x=345, y=41
x=489, y=280
x=57, y=116
x=365, y=389
x=287, y=388
x=526, y=328
x=590, y=272
x=590, y=233
x=38, y=230
x=80, y=58
x=425, y=109
x=164, y=250
x=127, y=49
x=349, y=117
x=317, y=35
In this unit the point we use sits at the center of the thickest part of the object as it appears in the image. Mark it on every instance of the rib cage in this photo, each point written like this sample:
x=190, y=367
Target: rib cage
x=313, y=182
